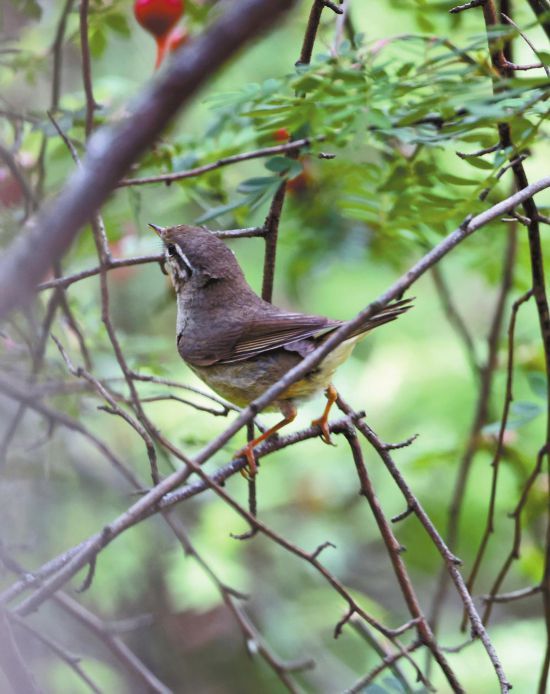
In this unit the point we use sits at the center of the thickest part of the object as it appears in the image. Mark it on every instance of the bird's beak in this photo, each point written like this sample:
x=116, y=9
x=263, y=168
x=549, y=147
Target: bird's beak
x=158, y=230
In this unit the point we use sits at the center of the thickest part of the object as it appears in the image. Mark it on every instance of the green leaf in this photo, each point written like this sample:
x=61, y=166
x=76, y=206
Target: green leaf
x=256, y=185
x=537, y=383
x=521, y=413
x=29, y=8
x=218, y=211
x=479, y=163
x=98, y=43
x=457, y=180
x=118, y=23
x=277, y=164
x=378, y=119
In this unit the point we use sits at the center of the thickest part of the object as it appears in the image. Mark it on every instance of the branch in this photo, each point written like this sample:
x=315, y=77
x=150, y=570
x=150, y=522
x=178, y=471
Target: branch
x=72, y=661
x=116, y=263
x=450, y=560
x=495, y=463
x=12, y=663
x=516, y=542
x=311, y=32
x=271, y=232
x=112, y=149
x=389, y=660
x=539, y=293
x=515, y=595
x=531, y=46
x=455, y=319
x=169, y=500
x=224, y=161
x=119, y=649
x=86, y=68
x=394, y=550
x=478, y=421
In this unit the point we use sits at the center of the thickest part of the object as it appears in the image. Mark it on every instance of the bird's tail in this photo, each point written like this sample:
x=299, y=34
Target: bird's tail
x=384, y=315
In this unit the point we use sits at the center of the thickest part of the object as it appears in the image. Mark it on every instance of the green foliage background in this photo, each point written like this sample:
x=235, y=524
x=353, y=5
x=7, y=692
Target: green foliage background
x=394, y=188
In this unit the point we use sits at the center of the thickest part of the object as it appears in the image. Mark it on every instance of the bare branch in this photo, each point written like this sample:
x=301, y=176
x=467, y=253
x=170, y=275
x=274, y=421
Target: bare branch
x=531, y=46
x=450, y=560
x=86, y=68
x=12, y=663
x=495, y=463
x=224, y=161
x=393, y=549
x=271, y=227
x=513, y=596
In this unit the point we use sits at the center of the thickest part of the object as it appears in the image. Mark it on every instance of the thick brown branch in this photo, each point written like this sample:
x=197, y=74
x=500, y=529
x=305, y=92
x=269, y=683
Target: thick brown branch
x=271, y=229
x=311, y=32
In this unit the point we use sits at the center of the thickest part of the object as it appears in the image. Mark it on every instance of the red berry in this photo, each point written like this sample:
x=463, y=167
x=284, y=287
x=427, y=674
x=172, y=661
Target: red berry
x=158, y=17
x=281, y=135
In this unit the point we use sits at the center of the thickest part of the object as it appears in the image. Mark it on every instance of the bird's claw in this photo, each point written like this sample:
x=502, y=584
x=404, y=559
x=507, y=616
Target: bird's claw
x=322, y=423
x=250, y=470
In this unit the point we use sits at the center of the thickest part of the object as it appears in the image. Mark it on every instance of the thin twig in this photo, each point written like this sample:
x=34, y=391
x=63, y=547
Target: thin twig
x=394, y=549
x=513, y=596
x=516, y=541
x=72, y=661
x=495, y=463
x=86, y=68
x=455, y=319
x=224, y=161
x=449, y=558
x=528, y=42
x=530, y=209
x=479, y=420
x=12, y=662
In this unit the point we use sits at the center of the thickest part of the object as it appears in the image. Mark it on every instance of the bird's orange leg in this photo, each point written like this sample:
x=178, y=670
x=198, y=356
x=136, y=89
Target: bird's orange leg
x=289, y=412
x=331, y=395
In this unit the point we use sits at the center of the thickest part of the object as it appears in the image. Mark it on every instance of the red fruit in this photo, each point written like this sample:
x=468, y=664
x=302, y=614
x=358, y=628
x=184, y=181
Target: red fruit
x=301, y=184
x=177, y=38
x=281, y=135
x=158, y=17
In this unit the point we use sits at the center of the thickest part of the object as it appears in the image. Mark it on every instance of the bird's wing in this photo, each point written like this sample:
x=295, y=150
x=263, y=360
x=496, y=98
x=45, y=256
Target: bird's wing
x=278, y=329
x=268, y=328
x=275, y=330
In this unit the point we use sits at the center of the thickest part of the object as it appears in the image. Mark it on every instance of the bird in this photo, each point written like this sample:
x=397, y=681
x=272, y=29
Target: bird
x=238, y=343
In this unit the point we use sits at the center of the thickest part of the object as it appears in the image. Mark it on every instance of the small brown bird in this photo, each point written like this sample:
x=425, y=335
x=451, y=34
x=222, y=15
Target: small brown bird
x=239, y=344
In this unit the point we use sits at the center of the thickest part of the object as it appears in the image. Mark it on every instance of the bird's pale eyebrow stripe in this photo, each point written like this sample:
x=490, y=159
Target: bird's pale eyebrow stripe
x=184, y=258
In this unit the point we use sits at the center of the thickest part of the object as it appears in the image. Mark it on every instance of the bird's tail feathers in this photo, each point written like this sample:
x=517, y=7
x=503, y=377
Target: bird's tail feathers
x=384, y=315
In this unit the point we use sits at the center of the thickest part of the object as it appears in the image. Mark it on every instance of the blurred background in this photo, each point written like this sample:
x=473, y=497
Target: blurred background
x=350, y=226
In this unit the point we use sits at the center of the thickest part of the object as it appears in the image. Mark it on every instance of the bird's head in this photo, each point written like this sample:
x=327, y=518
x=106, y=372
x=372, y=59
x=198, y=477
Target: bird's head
x=195, y=257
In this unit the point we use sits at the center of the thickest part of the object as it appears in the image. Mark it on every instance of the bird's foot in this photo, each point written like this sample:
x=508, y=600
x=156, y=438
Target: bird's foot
x=250, y=470
x=322, y=423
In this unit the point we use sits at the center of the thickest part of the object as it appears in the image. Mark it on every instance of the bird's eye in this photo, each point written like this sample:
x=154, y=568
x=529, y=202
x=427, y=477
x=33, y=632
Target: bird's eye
x=171, y=249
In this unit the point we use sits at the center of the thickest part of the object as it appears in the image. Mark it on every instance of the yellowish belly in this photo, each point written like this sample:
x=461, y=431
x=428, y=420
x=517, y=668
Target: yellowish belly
x=242, y=382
